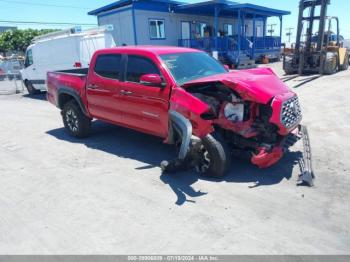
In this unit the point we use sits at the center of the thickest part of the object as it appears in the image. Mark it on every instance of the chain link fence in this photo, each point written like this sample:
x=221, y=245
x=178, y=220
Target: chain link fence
x=10, y=76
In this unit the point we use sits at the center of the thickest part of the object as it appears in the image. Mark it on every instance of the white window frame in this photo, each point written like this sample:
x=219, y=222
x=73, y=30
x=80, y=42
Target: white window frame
x=160, y=30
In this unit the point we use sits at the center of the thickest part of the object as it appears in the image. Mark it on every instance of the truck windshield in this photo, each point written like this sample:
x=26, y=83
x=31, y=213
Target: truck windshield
x=186, y=67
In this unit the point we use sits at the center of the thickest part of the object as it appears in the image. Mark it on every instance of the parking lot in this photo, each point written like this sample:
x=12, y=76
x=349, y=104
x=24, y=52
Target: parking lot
x=9, y=87
x=106, y=194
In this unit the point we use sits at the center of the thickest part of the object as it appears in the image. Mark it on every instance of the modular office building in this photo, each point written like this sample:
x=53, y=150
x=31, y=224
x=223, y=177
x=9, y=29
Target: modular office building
x=232, y=29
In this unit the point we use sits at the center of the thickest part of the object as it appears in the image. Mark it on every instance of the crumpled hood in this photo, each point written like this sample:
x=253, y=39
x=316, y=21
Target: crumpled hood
x=259, y=85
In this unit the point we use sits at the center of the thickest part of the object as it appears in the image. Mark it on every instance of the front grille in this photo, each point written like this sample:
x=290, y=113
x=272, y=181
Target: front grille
x=291, y=112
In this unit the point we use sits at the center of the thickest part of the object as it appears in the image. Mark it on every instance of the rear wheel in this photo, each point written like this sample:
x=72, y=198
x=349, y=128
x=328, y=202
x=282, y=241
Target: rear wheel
x=214, y=157
x=75, y=121
x=331, y=64
x=345, y=64
x=30, y=88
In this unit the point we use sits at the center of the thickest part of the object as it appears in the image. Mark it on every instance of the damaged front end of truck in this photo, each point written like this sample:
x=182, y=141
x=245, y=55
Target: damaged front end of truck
x=251, y=113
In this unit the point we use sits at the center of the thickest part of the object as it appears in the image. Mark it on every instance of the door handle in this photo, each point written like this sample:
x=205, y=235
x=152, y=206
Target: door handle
x=92, y=86
x=34, y=69
x=125, y=92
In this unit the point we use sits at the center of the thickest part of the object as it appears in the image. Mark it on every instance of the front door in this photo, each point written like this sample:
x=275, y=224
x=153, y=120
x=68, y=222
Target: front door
x=144, y=108
x=103, y=88
x=185, y=30
x=30, y=72
x=186, y=33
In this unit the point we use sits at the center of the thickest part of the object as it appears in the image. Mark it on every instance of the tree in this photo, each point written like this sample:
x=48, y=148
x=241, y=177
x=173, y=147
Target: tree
x=19, y=40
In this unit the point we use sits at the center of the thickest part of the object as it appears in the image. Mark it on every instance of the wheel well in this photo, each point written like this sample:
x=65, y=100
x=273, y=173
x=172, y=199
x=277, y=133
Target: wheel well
x=64, y=99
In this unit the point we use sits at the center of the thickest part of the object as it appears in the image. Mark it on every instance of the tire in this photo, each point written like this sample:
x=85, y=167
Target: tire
x=331, y=64
x=345, y=65
x=216, y=157
x=75, y=121
x=30, y=88
x=288, y=66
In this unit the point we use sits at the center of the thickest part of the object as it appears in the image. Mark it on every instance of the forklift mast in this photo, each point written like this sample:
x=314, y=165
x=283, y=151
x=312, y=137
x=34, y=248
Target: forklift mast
x=311, y=18
x=318, y=53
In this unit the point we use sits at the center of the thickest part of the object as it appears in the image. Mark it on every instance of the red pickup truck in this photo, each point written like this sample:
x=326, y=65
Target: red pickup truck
x=187, y=98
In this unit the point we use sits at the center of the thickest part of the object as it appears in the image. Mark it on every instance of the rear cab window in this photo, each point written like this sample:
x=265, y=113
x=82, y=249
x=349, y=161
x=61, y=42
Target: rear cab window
x=108, y=66
x=138, y=66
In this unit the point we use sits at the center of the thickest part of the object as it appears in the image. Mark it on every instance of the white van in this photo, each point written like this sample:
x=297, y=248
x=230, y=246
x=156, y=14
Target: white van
x=62, y=50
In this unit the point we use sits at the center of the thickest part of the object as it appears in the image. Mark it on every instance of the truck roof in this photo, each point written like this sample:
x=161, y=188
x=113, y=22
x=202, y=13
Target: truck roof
x=158, y=50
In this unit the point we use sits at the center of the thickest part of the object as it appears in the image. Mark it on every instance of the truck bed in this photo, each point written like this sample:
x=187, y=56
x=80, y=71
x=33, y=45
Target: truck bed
x=73, y=80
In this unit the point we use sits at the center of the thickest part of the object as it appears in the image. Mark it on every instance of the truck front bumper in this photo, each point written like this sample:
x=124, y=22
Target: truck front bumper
x=267, y=157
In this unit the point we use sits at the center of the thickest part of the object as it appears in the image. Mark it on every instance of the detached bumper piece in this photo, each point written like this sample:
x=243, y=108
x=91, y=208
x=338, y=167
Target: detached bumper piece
x=307, y=175
x=267, y=157
x=183, y=127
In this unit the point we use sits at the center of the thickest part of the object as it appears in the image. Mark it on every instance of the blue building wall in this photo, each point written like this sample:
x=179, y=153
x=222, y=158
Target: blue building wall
x=122, y=21
x=130, y=19
x=173, y=25
x=124, y=30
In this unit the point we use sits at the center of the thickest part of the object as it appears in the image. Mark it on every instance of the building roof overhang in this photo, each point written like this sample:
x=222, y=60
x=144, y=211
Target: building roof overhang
x=223, y=7
x=228, y=8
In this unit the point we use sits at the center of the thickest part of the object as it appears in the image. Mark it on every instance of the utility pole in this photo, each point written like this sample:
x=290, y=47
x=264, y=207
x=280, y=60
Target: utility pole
x=289, y=33
x=271, y=31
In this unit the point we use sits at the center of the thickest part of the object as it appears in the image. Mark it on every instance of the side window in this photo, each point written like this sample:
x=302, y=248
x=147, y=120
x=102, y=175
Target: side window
x=156, y=29
x=108, y=66
x=201, y=29
x=29, y=58
x=138, y=66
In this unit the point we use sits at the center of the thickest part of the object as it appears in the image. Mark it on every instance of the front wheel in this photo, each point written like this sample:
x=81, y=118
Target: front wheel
x=214, y=157
x=331, y=64
x=75, y=121
x=30, y=88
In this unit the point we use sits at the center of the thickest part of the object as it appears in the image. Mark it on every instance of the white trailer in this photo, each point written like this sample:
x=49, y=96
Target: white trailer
x=62, y=50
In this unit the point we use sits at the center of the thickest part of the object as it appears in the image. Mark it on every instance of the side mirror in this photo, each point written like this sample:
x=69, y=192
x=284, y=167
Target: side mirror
x=152, y=80
x=227, y=68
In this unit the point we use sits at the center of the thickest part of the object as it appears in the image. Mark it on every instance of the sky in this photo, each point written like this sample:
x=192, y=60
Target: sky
x=65, y=11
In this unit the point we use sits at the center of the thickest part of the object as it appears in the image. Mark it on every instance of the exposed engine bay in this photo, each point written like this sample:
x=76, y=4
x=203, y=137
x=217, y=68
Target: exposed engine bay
x=247, y=120
x=221, y=99
x=257, y=121
x=245, y=125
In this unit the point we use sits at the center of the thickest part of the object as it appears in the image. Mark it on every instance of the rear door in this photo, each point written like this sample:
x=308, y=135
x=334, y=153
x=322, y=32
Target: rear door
x=144, y=108
x=103, y=87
